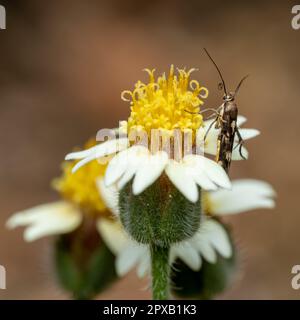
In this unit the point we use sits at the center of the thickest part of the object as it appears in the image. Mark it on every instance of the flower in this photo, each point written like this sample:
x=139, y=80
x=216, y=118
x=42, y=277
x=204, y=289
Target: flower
x=80, y=198
x=211, y=238
x=84, y=265
x=170, y=105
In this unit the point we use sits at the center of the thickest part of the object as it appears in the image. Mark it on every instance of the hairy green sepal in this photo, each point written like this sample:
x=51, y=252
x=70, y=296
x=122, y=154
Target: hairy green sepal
x=160, y=215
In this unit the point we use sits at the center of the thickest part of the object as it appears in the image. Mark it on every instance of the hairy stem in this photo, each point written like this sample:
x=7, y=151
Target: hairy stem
x=160, y=272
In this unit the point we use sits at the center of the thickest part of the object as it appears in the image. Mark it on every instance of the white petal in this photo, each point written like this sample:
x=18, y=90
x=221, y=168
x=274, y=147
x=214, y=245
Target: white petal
x=144, y=266
x=202, y=244
x=210, y=145
x=124, y=166
x=128, y=175
x=101, y=150
x=83, y=153
x=196, y=165
x=218, y=237
x=245, y=195
x=216, y=173
x=241, y=120
x=249, y=185
x=149, y=171
x=48, y=219
x=207, y=123
x=236, y=154
x=182, y=177
x=203, y=181
x=209, y=239
x=116, y=167
x=113, y=235
x=105, y=148
x=129, y=257
x=201, y=132
x=187, y=254
x=109, y=195
x=248, y=133
x=24, y=218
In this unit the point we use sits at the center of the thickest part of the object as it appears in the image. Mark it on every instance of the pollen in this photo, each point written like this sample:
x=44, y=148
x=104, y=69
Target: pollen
x=166, y=102
x=80, y=187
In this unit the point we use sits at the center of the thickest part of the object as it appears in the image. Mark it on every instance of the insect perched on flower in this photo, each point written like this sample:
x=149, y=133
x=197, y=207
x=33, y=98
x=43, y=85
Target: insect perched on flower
x=226, y=121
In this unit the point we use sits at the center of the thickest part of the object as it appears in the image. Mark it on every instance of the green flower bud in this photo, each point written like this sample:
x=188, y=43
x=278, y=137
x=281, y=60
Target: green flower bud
x=84, y=264
x=160, y=215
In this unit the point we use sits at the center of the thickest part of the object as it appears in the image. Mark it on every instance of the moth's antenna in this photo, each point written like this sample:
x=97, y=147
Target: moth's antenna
x=220, y=74
x=239, y=85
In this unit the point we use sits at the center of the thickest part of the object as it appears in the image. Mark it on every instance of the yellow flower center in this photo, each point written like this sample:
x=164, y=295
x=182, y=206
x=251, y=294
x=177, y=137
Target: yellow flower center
x=80, y=187
x=166, y=103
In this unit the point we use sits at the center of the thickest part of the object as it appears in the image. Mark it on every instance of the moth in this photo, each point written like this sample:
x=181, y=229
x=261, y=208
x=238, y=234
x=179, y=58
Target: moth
x=226, y=121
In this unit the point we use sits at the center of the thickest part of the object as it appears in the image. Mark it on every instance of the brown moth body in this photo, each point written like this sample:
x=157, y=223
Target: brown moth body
x=226, y=121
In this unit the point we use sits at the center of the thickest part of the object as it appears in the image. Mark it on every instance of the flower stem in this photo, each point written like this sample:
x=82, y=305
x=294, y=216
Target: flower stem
x=160, y=272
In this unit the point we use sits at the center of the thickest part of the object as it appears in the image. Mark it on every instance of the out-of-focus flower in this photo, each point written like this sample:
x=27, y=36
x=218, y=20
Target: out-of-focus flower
x=84, y=264
x=80, y=199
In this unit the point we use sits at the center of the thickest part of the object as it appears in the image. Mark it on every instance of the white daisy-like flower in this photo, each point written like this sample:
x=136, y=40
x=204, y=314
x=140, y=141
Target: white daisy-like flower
x=165, y=104
x=211, y=238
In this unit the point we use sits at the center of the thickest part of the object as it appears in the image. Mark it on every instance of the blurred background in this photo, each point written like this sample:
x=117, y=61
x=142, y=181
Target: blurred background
x=63, y=65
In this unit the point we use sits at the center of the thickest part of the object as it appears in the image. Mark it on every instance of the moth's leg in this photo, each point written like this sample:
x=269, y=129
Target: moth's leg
x=240, y=139
x=209, y=109
x=240, y=143
x=219, y=108
x=215, y=114
x=202, y=111
x=214, y=110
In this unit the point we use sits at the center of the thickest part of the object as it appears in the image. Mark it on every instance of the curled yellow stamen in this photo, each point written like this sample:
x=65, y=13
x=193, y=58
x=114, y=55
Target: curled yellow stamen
x=163, y=102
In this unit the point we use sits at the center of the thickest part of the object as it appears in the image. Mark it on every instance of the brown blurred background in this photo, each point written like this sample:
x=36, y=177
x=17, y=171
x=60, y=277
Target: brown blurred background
x=63, y=65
